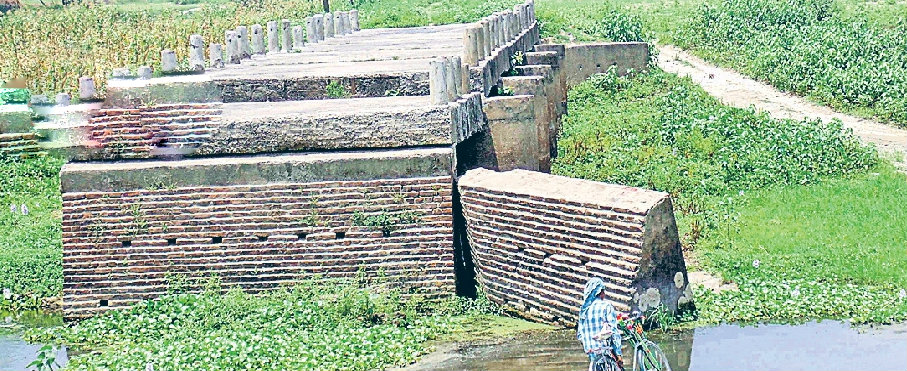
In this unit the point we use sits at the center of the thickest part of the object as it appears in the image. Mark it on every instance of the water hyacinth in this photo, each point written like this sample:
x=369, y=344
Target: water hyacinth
x=24, y=209
x=756, y=263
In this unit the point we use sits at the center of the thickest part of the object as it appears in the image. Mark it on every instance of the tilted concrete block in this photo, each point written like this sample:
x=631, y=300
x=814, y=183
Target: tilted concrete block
x=538, y=238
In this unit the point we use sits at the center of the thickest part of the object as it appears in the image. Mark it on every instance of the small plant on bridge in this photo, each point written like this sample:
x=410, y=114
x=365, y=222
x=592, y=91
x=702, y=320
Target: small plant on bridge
x=388, y=222
x=335, y=90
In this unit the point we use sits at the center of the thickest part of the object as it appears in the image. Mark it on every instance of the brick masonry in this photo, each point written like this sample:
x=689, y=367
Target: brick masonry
x=537, y=238
x=20, y=144
x=119, y=247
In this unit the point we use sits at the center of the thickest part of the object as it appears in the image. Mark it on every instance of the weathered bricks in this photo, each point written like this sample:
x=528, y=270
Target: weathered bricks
x=122, y=238
x=537, y=238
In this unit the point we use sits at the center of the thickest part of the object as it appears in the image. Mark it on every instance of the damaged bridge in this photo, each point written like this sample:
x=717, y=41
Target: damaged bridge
x=269, y=167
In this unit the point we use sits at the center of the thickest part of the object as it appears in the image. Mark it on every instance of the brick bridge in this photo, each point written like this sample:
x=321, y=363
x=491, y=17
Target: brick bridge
x=281, y=165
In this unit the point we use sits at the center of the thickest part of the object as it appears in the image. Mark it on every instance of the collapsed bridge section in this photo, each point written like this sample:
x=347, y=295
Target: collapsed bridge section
x=537, y=238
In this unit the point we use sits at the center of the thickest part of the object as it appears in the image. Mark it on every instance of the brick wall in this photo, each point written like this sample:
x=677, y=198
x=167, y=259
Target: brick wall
x=20, y=144
x=150, y=131
x=119, y=247
x=537, y=238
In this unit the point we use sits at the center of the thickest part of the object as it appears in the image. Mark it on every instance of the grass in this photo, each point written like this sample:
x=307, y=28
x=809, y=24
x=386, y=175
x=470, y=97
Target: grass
x=416, y=13
x=319, y=325
x=30, y=250
x=821, y=213
x=663, y=132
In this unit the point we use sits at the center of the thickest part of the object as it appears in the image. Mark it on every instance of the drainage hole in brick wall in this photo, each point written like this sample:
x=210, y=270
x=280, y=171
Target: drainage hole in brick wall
x=127, y=243
x=341, y=235
x=171, y=241
x=104, y=303
x=302, y=235
x=262, y=238
x=217, y=239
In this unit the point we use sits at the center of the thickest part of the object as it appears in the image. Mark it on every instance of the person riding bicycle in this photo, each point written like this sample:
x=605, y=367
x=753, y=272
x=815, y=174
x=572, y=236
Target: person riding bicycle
x=597, y=322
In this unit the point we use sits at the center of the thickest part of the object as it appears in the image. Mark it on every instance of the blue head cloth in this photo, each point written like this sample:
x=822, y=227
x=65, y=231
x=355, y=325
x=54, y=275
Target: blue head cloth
x=593, y=287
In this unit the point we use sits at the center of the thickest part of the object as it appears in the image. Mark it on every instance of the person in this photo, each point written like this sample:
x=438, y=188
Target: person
x=597, y=318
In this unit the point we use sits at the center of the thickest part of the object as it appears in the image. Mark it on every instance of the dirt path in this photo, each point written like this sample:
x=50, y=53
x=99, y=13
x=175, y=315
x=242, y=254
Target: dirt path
x=737, y=90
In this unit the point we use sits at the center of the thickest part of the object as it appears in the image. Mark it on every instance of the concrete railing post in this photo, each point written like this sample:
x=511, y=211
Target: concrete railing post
x=500, y=39
x=216, y=55
x=464, y=79
x=318, y=24
x=493, y=31
x=242, y=37
x=196, y=53
x=437, y=81
x=258, y=39
x=338, y=23
x=354, y=20
x=231, y=40
x=273, y=37
x=453, y=79
x=520, y=10
x=310, y=34
x=168, y=61
x=298, y=38
x=143, y=72
x=486, y=37
x=87, y=89
x=62, y=99
x=471, y=45
x=328, y=25
x=286, y=36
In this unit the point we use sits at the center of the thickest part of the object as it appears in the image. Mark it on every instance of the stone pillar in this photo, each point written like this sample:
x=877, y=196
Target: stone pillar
x=511, y=26
x=286, y=36
x=87, y=89
x=310, y=30
x=143, y=72
x=231, y=39
x=453, y=78
x=486, y=36
x=216, y=55
x=493, y=33
x=273, y=37
x=168, y=61
x=354, y=20
x=242, y=35
x=63, y=99
x=502, y=30
x=520, y=10
x=298, y=38
x=258, y=39
x=196, y=53
x=318, y=24
x=437, y=81
x=464, y=79
x=338, y=23
x=471, y=45
x=328, y=25
x=532, y=18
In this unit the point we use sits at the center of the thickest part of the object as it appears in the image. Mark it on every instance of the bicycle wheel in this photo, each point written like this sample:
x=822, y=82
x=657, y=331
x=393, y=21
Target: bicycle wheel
x=606, y=363
x=649, y=357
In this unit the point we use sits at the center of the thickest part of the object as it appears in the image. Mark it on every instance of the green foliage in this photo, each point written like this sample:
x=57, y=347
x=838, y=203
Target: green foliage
x=585, y=20
x=416, y=13
x=388, y=222
x=30, y=250
x=829, y=250
x=808, y=47
x=47, y=359
x=328, y=325
x=14, y=96
x=335, y=90
x=659, y=131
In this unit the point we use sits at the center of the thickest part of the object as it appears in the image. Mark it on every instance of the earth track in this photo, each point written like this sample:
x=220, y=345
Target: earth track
x=735, y=89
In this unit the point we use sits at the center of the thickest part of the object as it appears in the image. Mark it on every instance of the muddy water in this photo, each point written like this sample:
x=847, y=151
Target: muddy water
x=829, y=345
x=15, y=353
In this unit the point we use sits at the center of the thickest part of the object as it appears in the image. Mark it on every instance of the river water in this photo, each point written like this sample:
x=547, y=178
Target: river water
x=825, y=346
x=16, y=354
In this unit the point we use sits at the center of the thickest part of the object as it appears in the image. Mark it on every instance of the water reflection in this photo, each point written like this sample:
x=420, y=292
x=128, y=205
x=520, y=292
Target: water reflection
x=15, y=353
x=828, y=345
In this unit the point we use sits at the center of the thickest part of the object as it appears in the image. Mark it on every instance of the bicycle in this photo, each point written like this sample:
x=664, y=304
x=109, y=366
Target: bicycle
x=647, y=356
